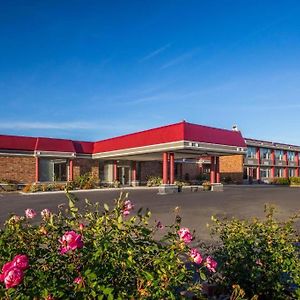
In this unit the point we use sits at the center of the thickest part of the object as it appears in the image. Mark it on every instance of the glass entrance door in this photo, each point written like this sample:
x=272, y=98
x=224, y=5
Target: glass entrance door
x=124, y=175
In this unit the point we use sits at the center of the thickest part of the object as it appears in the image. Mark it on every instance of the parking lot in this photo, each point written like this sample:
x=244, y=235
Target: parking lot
x=196, y=208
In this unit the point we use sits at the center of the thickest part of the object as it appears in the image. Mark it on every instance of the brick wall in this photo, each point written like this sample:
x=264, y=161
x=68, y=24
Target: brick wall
x=84, y=165
x=232, y=166
x=17, y=168
x=191, y=169
x=150, y=168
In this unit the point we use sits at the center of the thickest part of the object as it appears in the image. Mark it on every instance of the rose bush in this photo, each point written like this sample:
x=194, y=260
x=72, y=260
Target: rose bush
x=98, y=253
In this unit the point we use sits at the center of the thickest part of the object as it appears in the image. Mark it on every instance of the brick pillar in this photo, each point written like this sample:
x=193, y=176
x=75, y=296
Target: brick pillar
x=212, y=169
x=172, y=168
x=258, y=161
x=285, y=158
x=165, y=168
x=133, y=171
x=70, y=170
x=115, y=171
x=218, y=178
x=273, y=163
x=36, y=169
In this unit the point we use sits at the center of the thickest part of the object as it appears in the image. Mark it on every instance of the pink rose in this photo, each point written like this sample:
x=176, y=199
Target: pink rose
x=30, y=213
x=185, y=235
x=46, y=213
x=196, y=256
x=70, y=241
x=6, y=267
x=81, y=226
x=128, y=206
x=211, y=264
x=78, y=280
x=159, y=225
x=21, y=261
x=13, y=277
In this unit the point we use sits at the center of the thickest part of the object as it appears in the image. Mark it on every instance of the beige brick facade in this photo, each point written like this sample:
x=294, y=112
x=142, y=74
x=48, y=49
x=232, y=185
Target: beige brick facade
x=232, y=166
x=17, y=168
x=84, y=165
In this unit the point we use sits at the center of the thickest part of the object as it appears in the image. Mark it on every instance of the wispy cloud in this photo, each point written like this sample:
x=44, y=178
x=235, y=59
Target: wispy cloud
x=179, y=59
x=154, y=53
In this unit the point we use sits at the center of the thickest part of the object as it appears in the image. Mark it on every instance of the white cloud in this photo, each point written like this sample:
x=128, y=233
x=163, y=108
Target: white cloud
x=155, y=52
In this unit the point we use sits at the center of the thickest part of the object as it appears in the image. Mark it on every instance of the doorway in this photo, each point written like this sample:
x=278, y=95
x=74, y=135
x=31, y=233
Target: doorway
x=124, y=175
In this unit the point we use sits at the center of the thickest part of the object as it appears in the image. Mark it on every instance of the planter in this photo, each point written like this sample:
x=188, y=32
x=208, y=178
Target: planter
x=206, y=187
x=8, y=187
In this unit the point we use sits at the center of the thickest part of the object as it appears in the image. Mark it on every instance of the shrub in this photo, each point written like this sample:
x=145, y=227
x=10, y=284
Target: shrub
x=295, y=180
x=154, y=181
x=86, y=181
x=206, y=186
x=280, y=181
x=98, y=254
x=260, y=256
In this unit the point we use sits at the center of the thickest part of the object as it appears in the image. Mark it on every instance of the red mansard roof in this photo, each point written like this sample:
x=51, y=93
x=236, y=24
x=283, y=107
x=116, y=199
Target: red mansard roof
x=165, y=134
x=21, y=143
x=172, y=133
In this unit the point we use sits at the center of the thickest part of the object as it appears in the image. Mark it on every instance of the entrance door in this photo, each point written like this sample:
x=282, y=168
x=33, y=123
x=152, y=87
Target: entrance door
x=124, y=175
x=60, y=171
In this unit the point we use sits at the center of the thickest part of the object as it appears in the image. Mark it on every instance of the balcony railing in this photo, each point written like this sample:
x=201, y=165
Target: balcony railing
x=280, y=162
x=266, y=162
x=251, y=161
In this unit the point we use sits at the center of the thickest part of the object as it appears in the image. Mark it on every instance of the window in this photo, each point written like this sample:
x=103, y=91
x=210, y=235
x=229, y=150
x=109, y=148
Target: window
x=265, y=172
x=279, y=154
x=265, y=153
x=251, y=152
x=291, y=172
x=291, y=155
x=279, y=172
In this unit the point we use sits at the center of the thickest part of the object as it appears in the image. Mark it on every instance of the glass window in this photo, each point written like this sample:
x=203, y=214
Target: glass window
x=265, y=153
x=278, y=172
x=264, y=172
x=291, y=172
x=291, y=155
x=279, y=154
x=251, y=152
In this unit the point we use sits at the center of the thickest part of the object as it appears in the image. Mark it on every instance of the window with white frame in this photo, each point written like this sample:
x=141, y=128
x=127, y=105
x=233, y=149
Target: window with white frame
x=251, y=152
x=265, y=172
x=291, y=155
x=279, y=154
x=265, y=153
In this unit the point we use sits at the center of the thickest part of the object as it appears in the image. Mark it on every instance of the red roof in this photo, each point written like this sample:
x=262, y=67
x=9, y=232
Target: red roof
x=205, y=134
x=165, y=134
x=57, y=145
x=21, y=143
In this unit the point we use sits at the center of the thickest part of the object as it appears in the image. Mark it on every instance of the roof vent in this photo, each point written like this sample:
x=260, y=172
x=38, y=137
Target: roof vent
x=235, y=128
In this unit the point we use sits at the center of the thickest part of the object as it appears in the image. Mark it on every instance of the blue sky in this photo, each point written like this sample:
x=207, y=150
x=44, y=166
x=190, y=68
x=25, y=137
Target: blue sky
x=95, y=69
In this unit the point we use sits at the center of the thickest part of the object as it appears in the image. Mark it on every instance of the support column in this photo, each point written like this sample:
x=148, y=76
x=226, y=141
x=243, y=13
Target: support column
x=115, y=171
x=36, y=169
x=273, y=163
x=218, y=177
x=285, y=158
x=134, y=181
x=258, y=162
x=172, y=168
x=70, y=170
x=165, y=168
x=297, y=164
x=212, y=170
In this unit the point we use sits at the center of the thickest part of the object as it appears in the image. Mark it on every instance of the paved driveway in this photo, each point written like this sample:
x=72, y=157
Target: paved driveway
x=196, y=208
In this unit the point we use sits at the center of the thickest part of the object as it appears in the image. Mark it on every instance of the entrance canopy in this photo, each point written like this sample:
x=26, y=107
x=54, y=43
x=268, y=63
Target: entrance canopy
x=184, y=139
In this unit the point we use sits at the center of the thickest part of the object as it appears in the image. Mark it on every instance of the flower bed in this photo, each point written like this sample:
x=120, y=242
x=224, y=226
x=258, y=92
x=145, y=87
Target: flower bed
x=100, y=253
x=112, y=253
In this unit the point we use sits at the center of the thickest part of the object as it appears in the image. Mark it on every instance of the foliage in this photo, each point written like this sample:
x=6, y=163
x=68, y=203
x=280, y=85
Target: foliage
x=98, y=253
x=202, y=177
x=181, y=183
x=295, y=180
x=86, y=181
x=262, y=256
x=154, y=181
x=206, y=186
x=280, y=181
